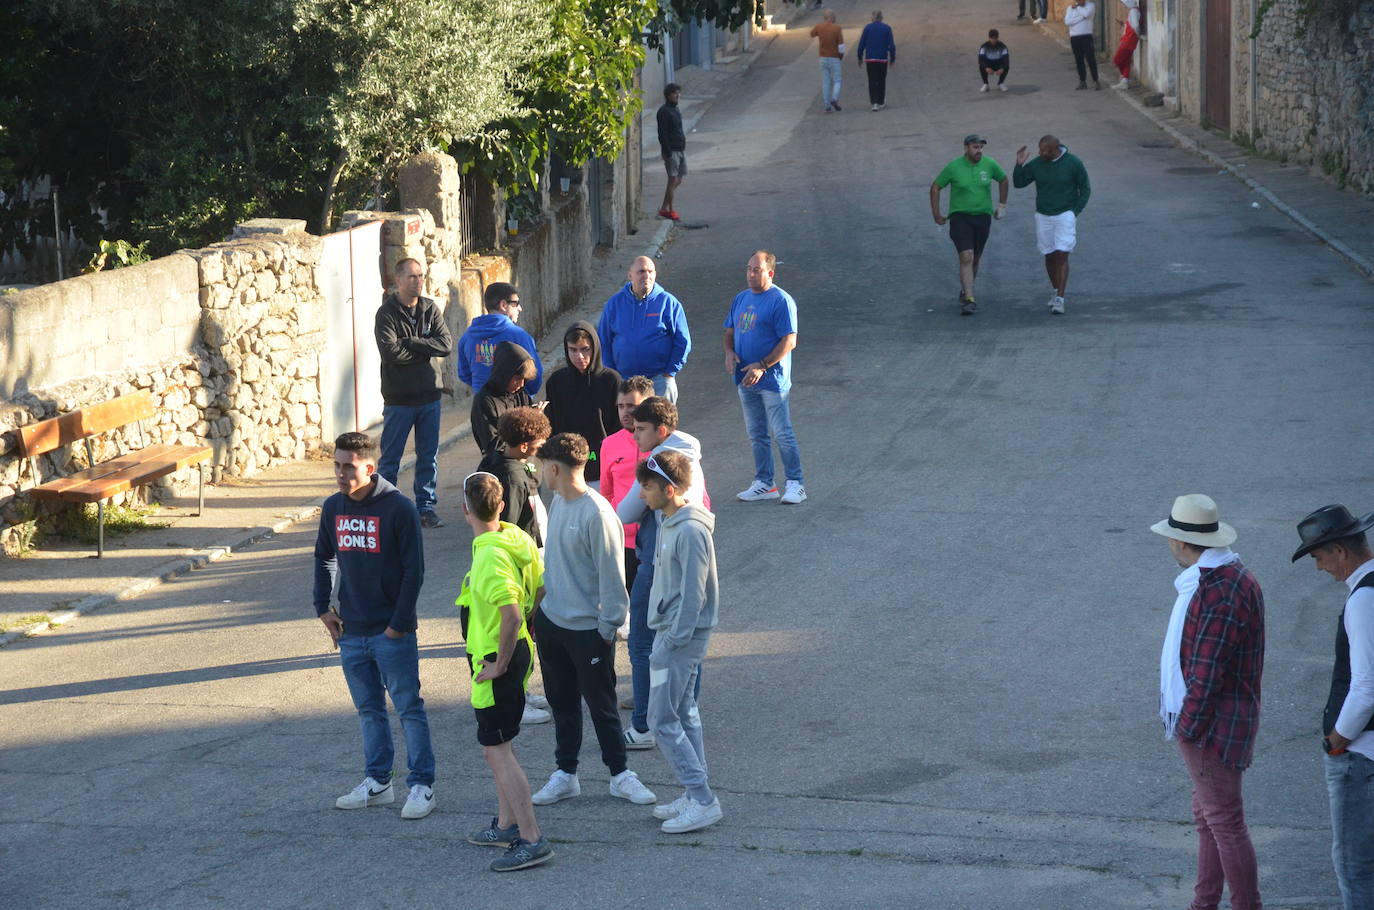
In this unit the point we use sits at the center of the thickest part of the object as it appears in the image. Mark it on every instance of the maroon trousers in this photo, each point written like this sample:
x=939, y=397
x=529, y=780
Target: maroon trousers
x=1224, y=852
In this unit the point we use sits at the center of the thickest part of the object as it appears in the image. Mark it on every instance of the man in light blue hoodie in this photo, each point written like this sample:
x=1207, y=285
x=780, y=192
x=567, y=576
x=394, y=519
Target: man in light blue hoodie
x=643, y=330
x=683, y=608
x=477, y=347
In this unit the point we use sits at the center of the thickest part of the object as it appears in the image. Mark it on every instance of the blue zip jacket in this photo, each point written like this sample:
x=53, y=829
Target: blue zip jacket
x=876, y=43
x=370, y=553
x=646, y=337
x=478, y=345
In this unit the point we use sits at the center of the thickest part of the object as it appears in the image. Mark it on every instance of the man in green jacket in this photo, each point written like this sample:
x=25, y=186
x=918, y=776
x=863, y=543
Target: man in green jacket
x=1061, y=194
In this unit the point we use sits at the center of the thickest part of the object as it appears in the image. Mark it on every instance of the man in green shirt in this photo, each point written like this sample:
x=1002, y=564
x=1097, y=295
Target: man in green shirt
x=498, y=595
x=1061, y=194
x=969, y=178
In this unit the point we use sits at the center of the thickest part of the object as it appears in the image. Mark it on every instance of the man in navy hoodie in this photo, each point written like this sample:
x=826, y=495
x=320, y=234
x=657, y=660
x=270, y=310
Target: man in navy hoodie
x=477, y=346
x=369, y=553
x=643, y=330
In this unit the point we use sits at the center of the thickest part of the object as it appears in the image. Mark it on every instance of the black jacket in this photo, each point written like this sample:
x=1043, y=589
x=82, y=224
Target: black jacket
x=492, y=400
x=412, y=346
x=584, y=403
x=519, y=488
x=671, y=138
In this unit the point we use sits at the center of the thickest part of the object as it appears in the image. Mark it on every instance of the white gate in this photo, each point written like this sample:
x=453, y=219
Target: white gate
x=351, y=281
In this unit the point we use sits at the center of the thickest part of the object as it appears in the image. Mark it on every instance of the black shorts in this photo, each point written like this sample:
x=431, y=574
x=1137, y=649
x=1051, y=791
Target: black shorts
x=501, y=722
x=969, y=231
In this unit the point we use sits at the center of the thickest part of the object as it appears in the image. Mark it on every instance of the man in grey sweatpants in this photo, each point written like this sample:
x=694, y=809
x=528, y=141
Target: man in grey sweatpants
x=683, y=605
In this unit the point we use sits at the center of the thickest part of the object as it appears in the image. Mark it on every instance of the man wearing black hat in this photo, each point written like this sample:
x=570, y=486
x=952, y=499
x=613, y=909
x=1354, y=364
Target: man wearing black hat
x=1338, y=544
x=970, y=178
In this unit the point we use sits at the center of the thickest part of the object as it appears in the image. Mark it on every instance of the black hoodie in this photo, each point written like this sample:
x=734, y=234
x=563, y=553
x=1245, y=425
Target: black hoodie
x=412, y=345
x=492, y=400
x=584, y=403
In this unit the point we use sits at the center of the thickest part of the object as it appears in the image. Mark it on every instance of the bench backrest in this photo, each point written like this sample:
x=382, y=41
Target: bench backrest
x=57, y=432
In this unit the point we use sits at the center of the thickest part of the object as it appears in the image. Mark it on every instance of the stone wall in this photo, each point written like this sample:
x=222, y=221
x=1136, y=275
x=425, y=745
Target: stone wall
x=1315, y=98
x=227, y=339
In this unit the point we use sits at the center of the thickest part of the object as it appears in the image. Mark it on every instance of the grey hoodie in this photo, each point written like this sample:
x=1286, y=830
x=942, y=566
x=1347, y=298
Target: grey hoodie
x=584, y=566
x=685, y=597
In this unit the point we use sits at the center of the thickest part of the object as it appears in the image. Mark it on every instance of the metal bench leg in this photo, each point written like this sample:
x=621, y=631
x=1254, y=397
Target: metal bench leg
x=100, y=532
x=200, y=496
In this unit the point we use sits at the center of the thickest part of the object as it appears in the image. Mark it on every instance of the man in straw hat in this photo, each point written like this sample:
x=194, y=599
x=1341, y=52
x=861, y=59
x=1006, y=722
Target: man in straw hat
x=1337, y=543
x=1209, y=692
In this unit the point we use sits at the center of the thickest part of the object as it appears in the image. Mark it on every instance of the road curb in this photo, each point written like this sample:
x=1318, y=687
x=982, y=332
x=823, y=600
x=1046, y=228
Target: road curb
x=1361, y=264
x=201, y=558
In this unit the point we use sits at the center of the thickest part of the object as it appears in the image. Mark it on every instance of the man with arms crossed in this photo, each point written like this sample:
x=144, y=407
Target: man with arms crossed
x=498, y=593
x=368, y=552
x=575, y=624
x=413, y=339
x=760, y=333
x=970, y=178
x=1061, y=194
x=1339, y=545
x=1209, y=692
x=643, y=330
x=683, y=608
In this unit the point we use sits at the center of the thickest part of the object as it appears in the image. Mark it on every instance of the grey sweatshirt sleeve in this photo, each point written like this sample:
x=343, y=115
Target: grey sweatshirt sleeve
x=631, y=508
x=606, y=539
x=694, y=557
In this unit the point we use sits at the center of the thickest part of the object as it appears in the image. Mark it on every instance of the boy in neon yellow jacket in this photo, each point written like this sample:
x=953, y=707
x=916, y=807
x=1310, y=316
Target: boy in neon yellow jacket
x=498, y=595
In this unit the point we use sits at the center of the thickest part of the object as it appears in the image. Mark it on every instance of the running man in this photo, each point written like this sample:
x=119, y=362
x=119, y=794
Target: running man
x=970, y=178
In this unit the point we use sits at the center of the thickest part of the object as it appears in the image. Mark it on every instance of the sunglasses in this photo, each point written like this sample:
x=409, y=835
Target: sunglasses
x=653, y=465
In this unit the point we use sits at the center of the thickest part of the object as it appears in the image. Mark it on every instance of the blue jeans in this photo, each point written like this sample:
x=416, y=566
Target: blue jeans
x=1350, y=786
x=768, y=420
x=374, y=665
x=397, y=420
x=665, y=386
x=830, y=80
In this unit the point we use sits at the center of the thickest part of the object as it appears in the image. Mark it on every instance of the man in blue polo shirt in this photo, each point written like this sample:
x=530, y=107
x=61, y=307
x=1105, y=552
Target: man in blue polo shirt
x=760, y=333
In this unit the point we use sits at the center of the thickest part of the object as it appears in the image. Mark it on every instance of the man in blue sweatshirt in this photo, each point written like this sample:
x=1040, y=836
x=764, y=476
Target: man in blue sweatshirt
x=369, y=553
x=477, y=346
x=643, y=330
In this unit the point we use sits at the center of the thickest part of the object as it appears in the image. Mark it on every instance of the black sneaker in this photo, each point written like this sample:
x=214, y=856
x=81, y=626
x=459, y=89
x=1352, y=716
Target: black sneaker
x=430, y=520
x=967, y=307
x=1081, y=86
x=836, y=105
x=495, y=835
x=522, y=854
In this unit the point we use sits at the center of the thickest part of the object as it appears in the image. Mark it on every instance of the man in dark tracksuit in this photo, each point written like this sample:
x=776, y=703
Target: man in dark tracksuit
x=413, y=339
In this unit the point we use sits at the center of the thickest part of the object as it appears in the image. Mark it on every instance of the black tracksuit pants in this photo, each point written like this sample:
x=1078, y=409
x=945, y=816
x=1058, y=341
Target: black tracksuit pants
x=578, y=667
x=877, y=82
x=1083, y=52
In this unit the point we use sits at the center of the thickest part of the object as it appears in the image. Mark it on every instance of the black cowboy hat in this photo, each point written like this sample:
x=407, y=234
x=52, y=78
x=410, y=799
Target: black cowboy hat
x=1327, y=524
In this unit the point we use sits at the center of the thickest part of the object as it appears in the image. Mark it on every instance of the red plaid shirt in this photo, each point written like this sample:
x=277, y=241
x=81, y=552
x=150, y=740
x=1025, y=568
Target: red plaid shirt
x=1222, y=657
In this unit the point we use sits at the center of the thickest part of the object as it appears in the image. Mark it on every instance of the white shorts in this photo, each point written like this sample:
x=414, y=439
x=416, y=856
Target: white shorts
x=1056, y=233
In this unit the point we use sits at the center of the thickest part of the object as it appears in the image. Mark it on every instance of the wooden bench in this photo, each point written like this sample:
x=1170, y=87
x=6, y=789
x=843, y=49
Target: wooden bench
x=99, y=482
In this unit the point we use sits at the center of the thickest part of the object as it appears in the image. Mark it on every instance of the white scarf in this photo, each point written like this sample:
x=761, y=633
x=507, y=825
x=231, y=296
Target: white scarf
x=1172, y=688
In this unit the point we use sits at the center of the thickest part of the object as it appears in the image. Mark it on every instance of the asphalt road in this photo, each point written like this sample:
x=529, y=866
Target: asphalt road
x=934, y=684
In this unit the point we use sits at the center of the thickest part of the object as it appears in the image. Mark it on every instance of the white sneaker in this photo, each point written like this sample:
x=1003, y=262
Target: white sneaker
x=1002, y=87
x=693, y=818
x=538, y=701
x=983, y=88
x=419, y=803
x=1037, y=21
x=1124, y=83
x=878, y=107
x=627, y=785
x=535, y=715
x=1057, y=306
x=636, y=740
x=368, y=793
x=561, y=785
x=794, y=492
x=665, y=811
x=757, y=492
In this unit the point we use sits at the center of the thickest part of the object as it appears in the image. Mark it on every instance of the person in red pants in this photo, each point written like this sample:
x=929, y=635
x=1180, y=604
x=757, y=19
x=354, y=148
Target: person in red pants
x=1130, y=37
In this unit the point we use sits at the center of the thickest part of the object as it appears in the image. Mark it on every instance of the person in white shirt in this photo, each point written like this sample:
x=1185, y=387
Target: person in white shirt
x=1338, y=544
x=1079, y=19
